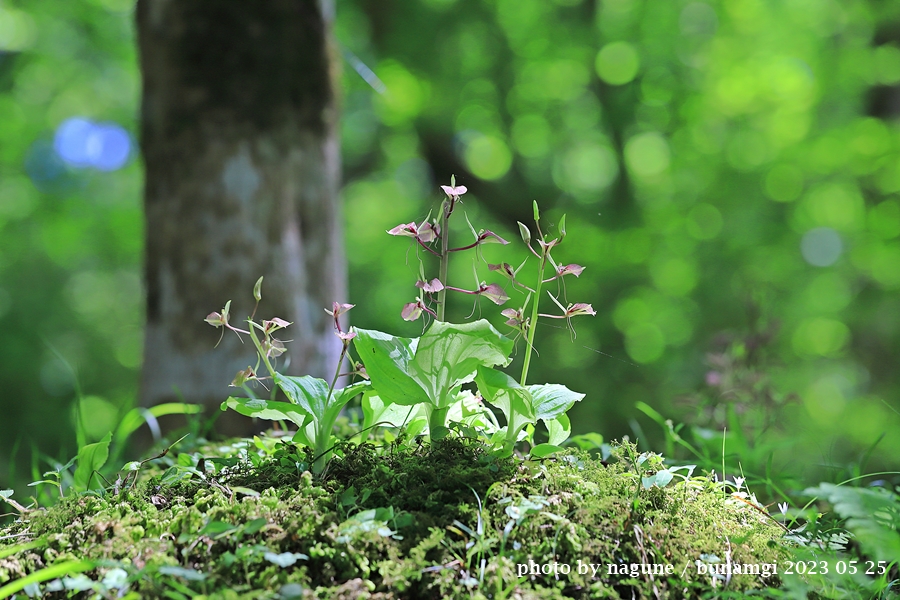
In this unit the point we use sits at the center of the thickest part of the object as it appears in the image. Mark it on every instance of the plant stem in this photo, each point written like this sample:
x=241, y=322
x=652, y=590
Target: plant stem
x=259, y=349
x=532, y=322
x=436, y=418
x=446, y=206
x=323, y=438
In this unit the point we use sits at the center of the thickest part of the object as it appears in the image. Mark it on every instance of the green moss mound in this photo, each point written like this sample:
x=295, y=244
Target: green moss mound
x=426, y=521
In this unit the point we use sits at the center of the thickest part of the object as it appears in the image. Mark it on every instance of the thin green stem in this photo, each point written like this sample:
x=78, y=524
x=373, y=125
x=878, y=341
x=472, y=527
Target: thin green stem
x=445, y=257
x=324, y=437
x=259, y=349
x=532, y=322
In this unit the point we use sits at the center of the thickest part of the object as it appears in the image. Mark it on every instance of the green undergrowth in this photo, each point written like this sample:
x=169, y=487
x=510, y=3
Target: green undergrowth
x=446, y=519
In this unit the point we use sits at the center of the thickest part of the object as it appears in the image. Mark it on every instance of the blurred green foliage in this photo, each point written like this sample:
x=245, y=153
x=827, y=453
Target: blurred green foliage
x=730, y=171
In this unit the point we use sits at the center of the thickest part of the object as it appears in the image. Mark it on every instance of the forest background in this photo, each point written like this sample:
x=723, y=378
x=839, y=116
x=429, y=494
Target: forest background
x=730, y=171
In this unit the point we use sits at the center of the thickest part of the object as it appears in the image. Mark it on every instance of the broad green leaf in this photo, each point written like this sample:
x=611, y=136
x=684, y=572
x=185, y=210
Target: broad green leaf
x=429, y=369
x=268, y=410
x=449, y=354
x=872, y=516
x=505, y=393
x=136, y=417
x=311, y=394
x=91, y=458
x=387, y=360
x=389, y=415
x=588, y=441
x=660, y=479
x=552, y=399
x=559, y=428
x=306, y=435
x=542, y=450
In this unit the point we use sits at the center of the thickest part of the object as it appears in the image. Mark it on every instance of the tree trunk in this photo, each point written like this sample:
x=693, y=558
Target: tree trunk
x=242, y=161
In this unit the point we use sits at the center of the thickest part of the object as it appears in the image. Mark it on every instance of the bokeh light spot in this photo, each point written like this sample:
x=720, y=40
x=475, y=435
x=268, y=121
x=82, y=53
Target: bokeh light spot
x=820, y=337
x=633, y=245
x=784, y=183
x=487, y=157
x=673, y=276
x=824, y=401
x=829, y=292
x=644, y=342
x=884, y=219
x=405, y=95
x=586, y=167
x=71, y=141
x=629, y=312
x=698, y=18
x=647, y=154
x=108, y=146
x=887, y=64
x=17, y=30
x=617, y=63
x=531, y=135
x=821, y=247
x=17, y=198
x=704, y=222
x=885, y=266
x=838, y=205
x=81, y=143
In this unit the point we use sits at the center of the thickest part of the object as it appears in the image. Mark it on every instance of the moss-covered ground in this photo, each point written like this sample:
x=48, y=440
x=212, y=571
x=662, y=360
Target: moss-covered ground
x=441, y=520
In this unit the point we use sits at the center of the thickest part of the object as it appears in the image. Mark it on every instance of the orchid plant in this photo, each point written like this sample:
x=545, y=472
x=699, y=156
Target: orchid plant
x=418, y=383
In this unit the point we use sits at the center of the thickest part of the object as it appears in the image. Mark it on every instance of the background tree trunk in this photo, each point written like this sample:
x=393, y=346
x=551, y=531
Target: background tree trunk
x=242, y=167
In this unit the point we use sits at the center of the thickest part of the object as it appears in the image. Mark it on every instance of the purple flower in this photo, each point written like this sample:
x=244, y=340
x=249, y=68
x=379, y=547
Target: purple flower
x=493, y=292
x=274, y=324
x=430, y=287
x=514, y=317
x=407, y=229
x=580, y=309
x=487, y=237
x=454, y=192
x=569, y=269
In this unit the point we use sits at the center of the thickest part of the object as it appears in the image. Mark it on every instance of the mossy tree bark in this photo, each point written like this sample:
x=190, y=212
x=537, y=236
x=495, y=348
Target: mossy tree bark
x=242, y=165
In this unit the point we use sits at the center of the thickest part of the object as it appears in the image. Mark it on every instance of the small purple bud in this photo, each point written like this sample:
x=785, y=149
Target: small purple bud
x=525, y=233
x=713, y=378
